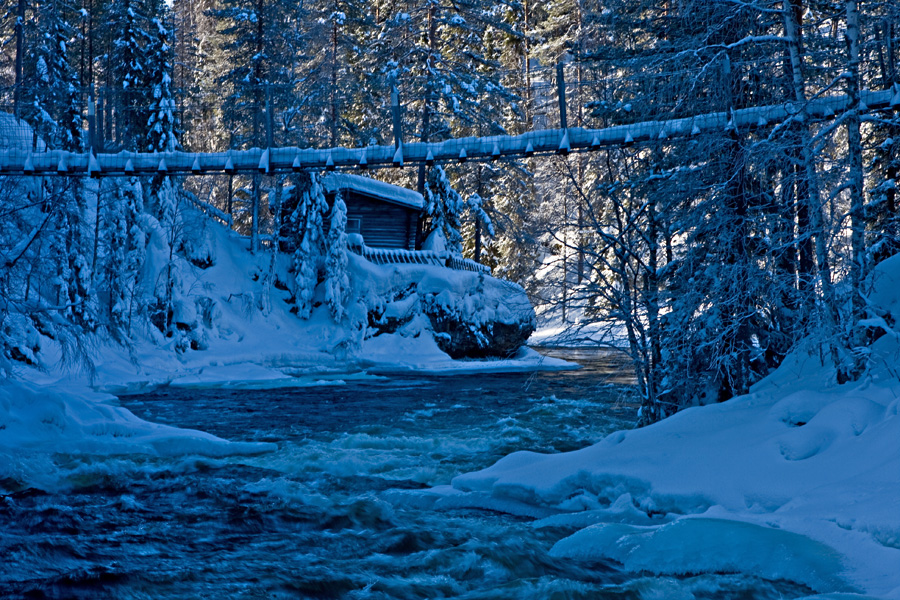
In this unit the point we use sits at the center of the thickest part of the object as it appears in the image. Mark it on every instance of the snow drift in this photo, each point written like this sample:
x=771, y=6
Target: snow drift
x=42, y=429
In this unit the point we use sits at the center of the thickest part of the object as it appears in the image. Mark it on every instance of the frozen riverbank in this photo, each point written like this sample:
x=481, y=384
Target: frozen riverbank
x=799, y=480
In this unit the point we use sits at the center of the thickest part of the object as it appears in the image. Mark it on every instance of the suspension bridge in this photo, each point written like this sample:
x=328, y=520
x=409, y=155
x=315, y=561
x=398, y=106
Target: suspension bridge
x=562, y=140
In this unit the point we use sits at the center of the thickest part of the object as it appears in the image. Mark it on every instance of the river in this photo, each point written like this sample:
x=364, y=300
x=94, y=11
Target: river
x=332, y=512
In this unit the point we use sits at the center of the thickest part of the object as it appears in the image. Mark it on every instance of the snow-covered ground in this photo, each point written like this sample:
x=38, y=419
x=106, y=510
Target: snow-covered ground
x=798, y=480
x=241, y=318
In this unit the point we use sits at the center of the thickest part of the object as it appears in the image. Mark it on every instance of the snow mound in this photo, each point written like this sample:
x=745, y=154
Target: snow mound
x=700, y=545
x=40, y=428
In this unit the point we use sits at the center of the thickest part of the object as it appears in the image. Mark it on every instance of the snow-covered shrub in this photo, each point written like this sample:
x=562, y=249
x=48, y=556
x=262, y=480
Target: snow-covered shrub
x=19, y=339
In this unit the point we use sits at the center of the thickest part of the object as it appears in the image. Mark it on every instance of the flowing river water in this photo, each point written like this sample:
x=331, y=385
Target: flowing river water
x=328, y=514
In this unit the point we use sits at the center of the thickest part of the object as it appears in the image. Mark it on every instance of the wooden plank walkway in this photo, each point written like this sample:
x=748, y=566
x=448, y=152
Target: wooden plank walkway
x=550, y=141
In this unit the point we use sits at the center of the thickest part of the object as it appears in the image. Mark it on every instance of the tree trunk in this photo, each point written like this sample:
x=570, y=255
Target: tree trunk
x=20, y=56
x=809, y=177
x=334, y=49
x=429, y=90
x=856, y=188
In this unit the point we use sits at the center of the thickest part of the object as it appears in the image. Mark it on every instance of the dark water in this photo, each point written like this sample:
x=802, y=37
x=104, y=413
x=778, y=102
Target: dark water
x=333, y=512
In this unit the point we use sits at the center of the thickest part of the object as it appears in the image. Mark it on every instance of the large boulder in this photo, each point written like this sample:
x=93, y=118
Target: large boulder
x=470, y=315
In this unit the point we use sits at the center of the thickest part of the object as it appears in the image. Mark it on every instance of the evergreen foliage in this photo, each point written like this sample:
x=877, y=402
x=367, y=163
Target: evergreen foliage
x=53, y=112
x=161, y=126
x=337, y=281
x=307, y=221
x=444, y=208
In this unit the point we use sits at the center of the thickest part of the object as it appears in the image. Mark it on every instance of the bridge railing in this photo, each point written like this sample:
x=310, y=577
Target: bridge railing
x=397, y=256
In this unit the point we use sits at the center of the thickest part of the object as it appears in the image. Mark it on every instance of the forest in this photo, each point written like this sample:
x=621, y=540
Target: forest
x=709, y=258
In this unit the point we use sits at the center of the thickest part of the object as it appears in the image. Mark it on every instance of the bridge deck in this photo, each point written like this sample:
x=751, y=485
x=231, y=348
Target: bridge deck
x=280, y=160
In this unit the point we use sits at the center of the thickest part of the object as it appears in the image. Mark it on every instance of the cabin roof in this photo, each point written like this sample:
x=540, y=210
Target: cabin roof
x=374, y=189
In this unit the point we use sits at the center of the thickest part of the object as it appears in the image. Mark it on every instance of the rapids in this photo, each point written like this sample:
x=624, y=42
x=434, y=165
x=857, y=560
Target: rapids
x=333, y=513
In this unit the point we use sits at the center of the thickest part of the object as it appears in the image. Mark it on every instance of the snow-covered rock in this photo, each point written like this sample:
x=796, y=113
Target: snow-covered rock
x=470, y=315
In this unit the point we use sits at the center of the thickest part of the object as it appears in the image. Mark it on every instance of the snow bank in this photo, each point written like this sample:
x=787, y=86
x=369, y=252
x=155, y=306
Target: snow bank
x=234, y=327
x=42, y=428
x=694, y=545
x=798, y=480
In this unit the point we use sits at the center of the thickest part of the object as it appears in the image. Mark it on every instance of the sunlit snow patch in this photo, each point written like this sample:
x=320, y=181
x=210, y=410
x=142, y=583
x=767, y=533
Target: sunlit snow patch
x=701, y=545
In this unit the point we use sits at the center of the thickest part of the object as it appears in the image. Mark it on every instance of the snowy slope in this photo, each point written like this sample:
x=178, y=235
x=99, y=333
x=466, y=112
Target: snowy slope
x=798, y=480
x=236, y=312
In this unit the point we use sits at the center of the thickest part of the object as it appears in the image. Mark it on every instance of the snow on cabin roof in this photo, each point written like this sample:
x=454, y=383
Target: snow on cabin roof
x=372, y=187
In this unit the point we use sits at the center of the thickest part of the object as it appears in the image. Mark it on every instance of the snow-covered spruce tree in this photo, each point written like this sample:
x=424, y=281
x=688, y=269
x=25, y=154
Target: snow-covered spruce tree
x=26, y=275
x=261, y=41
x=477, y=228
x=444, y=207
x=507, y=186
x=433, y=51
x=169, y=217
x=306, y=221
x=124, y=245
x=126, y=70
x=115, y=234
x=337, y=279
x=54, y=112
x=56, y=118
x=161, y=126
x=475, y=207
x=339, y=75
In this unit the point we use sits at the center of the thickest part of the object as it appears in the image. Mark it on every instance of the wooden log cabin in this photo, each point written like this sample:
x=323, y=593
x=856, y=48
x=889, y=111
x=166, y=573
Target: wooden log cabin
x=385, y=215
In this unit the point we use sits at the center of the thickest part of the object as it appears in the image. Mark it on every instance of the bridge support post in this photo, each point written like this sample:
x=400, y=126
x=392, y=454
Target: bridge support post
x=395, y=113
x=270, y=118
x=561, y=92
x=92, y=122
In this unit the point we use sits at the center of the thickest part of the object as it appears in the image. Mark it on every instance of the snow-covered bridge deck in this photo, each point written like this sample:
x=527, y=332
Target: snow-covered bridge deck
x=281, y=160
